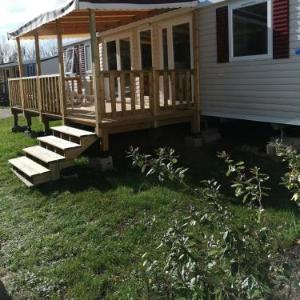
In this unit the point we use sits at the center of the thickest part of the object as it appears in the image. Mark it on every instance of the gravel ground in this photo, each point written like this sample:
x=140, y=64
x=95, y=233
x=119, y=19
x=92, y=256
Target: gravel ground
x=4, y=112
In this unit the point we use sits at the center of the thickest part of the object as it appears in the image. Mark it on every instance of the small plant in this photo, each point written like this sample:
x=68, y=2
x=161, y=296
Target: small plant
x=291, y=179
x=164, y=165
x=248, y=184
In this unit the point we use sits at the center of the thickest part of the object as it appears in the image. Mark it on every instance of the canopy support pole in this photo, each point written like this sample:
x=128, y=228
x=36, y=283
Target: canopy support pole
x=196, y=46
x=21, y=71
x=38, y=72
x=99, y=99
x=61, y=71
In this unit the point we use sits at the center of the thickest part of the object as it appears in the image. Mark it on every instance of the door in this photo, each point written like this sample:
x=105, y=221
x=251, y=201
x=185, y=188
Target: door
x=118, y=57
x=177, y=54
x=146, y=57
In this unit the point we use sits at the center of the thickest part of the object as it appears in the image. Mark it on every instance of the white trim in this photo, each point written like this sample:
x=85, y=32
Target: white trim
x=87, y=56
x=240, y=4
x=65, y=61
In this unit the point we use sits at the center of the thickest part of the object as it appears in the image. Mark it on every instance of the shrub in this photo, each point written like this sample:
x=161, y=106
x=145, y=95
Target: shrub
x=209, y=255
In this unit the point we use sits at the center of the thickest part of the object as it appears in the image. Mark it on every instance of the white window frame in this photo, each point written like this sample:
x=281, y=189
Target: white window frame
x=73, y=56
x=169, y=26
x=116, y=38
x=87, y=56
x=240, y=4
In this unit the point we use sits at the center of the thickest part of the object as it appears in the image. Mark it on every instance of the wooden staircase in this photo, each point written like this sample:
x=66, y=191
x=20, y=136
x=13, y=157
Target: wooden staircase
x=44, y=163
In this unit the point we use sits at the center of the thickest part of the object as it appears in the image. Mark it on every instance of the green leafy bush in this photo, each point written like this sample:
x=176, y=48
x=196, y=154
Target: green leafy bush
x=207, y=254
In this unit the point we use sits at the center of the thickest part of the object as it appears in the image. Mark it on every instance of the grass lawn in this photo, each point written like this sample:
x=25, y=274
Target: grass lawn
x=84, y=238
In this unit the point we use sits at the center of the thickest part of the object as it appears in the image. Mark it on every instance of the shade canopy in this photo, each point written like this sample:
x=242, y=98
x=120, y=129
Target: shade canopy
x=74, y=17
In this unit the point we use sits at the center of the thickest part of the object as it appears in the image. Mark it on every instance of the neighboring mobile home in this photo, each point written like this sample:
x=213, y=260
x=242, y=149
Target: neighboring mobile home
x=49, y=65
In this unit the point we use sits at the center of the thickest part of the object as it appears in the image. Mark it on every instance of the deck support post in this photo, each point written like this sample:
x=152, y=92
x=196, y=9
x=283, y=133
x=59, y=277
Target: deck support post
x=98, y=94
x=156, y=67
x=63, y=98
x=196, y=122
x=16, y=119
x=29, y=121
x=21, y=71
x=45, y=121
x=38, y=72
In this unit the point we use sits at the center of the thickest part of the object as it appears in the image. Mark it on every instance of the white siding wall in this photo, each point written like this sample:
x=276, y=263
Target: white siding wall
x=50, y=66
x=264, y=90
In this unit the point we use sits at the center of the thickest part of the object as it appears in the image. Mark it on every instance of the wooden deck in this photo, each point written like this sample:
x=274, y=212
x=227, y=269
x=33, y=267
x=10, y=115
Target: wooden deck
x=132, y=100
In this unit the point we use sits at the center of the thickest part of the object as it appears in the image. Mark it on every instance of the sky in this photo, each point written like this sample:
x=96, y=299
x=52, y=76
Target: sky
x=14, y=13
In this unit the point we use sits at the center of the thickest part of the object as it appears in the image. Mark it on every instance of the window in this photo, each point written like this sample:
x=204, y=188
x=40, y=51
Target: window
x=250, y=32
x=165, y=48
x=88, y=58
x=112, y=56
x=181, y=45
x=146, y=49
x=69, y=61
x=125, y=54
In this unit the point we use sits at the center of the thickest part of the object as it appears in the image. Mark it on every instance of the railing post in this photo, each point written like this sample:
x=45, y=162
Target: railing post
x=196, y=126
x=61, y=71
x=21, y=72
x=99, y=99
x=38, y=73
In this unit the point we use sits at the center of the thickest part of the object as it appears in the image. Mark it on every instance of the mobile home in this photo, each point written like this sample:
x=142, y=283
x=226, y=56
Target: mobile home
x=146, y=64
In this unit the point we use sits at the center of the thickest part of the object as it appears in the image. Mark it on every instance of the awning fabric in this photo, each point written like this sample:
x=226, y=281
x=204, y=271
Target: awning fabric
x=136, y=9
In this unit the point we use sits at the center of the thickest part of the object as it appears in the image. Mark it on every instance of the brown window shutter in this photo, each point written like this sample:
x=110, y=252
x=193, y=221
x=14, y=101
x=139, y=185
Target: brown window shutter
x=82, y=59
x=281, y=29
x=222, y=34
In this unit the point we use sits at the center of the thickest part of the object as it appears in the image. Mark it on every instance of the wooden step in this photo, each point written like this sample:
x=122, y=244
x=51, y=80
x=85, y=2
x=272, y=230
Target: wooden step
x=58, y=143
x=79, y=133
x=44, y=155
x=32, y=171
x=23, y=179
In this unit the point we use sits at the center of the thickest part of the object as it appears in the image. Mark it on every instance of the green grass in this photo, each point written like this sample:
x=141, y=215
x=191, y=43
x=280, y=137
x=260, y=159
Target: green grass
x=84, y=238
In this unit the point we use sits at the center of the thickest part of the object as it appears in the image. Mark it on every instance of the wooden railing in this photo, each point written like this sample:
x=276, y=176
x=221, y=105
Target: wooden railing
x=123, y=93
x=30, y=93
x=176, y=89
x=40, y=94
x=130, y=92
x=14, y=89
x=50, y=98
x=126, y=92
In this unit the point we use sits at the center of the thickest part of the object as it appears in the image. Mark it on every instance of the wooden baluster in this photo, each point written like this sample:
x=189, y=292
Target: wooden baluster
x=181, y=94
x=188, y=88
x=173, y=88
x=142, y=91
x=151, y=95
x=133, y=90
x=156, y=100
x=166, y=88
x=102, y=103
x=123, y=94
x=112, y=92
x=51, y=93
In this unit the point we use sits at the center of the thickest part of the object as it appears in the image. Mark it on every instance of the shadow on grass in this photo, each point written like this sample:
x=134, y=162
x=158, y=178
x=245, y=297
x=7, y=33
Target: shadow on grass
x=3, y=292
